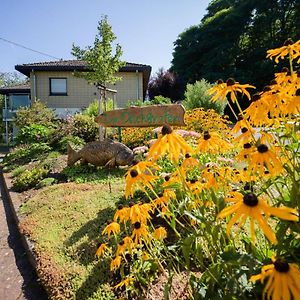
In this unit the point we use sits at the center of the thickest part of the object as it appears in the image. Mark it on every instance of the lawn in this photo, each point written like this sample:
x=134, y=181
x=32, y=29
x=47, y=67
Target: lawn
x=65, y=222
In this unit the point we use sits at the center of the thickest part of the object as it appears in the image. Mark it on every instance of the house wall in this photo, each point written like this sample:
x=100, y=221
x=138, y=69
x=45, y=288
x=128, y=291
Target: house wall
x=80, y=93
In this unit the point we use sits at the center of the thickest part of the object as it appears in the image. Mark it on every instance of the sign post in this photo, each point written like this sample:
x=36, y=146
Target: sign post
x=145, y=116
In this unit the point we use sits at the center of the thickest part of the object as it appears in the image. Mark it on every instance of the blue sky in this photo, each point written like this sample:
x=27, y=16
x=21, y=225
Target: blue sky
x=146, y=30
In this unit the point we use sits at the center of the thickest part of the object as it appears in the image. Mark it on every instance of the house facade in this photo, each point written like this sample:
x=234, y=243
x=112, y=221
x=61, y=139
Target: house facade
x=55, y=83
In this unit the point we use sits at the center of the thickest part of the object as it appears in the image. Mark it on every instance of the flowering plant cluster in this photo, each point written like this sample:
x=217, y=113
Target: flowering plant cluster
x=224, y=212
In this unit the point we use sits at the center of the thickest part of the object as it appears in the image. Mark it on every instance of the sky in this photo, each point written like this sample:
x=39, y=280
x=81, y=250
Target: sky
x=146, y=30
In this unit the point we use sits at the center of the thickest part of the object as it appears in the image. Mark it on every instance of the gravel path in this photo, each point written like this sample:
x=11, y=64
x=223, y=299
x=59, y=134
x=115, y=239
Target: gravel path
x=18, y=279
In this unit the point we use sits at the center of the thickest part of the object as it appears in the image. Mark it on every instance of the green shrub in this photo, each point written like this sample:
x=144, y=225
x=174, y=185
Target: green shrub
x=156, y=100
x=25, y=154
x=196, y=96
x=74, y=141
x=16, y=172
x=29, y=179
x=93, y=109
x=46, y=182
x=160, y=100
x=37, y=113
x=88, y=173
x=85, y=127
x=137, y=103
x=33, y=133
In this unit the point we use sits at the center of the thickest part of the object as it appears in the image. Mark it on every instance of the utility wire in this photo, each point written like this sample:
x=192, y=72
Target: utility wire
x=24, y=47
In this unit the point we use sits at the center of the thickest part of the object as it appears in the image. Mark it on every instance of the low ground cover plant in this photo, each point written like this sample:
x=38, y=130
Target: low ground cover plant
x=226, y=212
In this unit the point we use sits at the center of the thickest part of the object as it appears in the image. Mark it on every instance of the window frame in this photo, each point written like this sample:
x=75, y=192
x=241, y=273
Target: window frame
x=54, y=93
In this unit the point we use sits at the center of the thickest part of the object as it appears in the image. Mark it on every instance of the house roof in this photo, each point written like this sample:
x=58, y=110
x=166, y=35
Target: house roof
x=20, y=88
x=80, y=65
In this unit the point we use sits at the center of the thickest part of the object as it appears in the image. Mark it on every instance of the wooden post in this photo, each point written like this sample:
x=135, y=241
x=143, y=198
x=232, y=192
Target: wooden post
x=120, y=134
x=100, y=112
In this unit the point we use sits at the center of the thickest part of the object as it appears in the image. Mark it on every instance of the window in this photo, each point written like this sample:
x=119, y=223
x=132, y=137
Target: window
x=17, y=101
x=58, y=86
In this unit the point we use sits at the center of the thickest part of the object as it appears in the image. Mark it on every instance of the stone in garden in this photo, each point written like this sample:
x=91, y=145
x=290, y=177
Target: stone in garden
x=102, y=153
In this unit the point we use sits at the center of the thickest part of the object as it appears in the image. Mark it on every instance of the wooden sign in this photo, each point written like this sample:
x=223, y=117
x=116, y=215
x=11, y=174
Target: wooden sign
x=145, y=116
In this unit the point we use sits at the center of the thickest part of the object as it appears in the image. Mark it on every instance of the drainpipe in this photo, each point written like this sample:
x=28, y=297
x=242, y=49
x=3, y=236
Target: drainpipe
x=34, y=86
x=138, y=85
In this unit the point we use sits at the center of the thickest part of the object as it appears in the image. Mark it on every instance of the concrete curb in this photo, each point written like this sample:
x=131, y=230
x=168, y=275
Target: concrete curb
x=14, y=203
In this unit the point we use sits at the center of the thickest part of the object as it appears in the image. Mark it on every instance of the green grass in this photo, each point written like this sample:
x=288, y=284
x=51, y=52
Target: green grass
x=65, y=223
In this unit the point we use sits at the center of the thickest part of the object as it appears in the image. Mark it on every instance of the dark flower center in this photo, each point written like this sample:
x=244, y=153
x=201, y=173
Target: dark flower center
x=247, y=146
x=289, y=41
x=166, y=129
x=131, y=204
x=193, y=180
x=206, y=136
x=240, y=118
x=137, y=225
x=250, y=199
x=120, y=206
x=187, y=155
x=167, y=178
x=298, y=92
x=281, y=266
x=230, y=81
x=244, y=130
x=160, y=195
x=121, y=243
x=256, y=97
x=134, y=173
x=220, y=81
x=262, y=148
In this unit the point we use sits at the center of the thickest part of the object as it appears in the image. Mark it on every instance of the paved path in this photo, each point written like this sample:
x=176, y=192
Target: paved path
x=18, y=279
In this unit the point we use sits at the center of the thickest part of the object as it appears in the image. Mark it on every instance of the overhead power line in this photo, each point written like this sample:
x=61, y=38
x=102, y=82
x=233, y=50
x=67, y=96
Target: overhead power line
x=27, y=48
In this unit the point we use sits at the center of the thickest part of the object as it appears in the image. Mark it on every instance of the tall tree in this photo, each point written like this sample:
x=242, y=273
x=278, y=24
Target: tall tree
x=103, y=62
x=166, y=84
x=232, y=40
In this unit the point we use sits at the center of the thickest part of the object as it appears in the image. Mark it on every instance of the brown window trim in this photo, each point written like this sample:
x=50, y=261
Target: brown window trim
x=58, y=94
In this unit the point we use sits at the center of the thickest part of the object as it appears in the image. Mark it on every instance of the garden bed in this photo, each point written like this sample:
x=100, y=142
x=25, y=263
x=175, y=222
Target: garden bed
x=64, y=223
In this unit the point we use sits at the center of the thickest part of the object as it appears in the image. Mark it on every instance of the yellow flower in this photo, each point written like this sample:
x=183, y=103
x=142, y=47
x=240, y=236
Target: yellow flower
x=139, y=212
x=111, y=228
x=102, y=250
x=122, y=214
x=288, y=48
x=125, y=282
x=115, y=263
x=264, y=157
x=212, y=143
x=169, y=143
x=145, y=255
x=249, y=206
x=246, y=136
x=160, y=233
x=230, y=87
x=145, y=167
x=164, y=198
x=137, y=180
x=121, y=248
x=195, y=186
x=128, y=242
x=140, y=231
x=283, y=280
